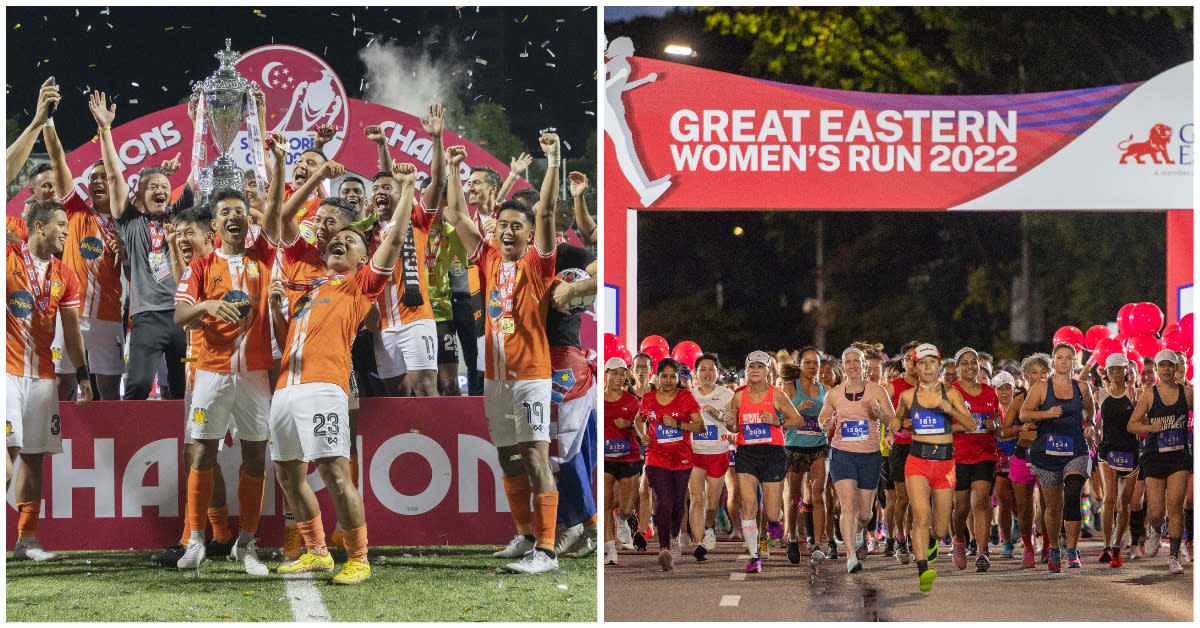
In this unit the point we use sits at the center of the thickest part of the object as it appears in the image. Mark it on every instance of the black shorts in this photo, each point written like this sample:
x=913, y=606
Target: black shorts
x=447, y=343
x=1125, y=460
x=768, y=463
x=801, y=459
x=885, y=474
x=622, y=470
x=1161, y=466
x=897, y=459
x=967, y=474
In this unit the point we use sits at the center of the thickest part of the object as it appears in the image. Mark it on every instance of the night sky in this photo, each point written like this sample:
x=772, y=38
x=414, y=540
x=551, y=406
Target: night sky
x=146, y=57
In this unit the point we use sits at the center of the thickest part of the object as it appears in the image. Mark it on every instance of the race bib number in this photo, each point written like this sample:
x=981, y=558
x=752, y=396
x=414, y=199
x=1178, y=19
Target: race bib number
x=1060, y=445
x=981, y=420
x=927, y=422
x=664, y=434
x=811, y=425
x=1120, y=460
x=855, y=430
x=756, y=433
x=616, y=447
x=709, y=434
x=1171, y=440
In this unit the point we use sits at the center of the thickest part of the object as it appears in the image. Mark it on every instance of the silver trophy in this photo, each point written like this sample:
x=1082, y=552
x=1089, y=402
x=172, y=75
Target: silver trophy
x=225, y=95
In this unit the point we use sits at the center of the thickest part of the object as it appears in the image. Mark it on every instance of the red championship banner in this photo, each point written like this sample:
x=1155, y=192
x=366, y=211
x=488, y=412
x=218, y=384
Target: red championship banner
x=423, y=462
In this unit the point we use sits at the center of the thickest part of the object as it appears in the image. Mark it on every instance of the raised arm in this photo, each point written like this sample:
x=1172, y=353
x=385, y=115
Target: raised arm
x=516, y=166
x=456, y=204
x=405, y=175
x=277, y=146
x=585, y=226
x=114, y=179
x=18, y=152
x=375, y=133
x=289, y=230
x=543, y=232
x=432, y=195
x=63, y=181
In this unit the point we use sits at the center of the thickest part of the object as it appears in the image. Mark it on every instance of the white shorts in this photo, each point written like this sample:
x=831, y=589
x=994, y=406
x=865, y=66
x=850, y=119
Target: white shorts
x=310, y=421
x=104, y=342
x=220, y=401
x=31, y=415
x=518, y=411
x=409, y=347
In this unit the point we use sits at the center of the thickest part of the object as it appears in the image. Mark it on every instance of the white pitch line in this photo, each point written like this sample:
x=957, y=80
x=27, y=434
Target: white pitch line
x=305, y=599
x=737, y=576
x=730, y=600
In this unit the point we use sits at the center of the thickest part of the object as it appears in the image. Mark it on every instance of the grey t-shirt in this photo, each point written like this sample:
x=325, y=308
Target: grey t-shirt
x=149, y=289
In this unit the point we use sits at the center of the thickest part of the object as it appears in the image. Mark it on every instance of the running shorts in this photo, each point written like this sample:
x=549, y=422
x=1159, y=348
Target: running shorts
x=310, y=421
x=768, y=463
x=31, y=419
x=862, y=468
x=714, y=465
x=409, y=347
x=968, y=474
x=801, y=459
x=1160, y=466
x=518, y=411
x=622, y=470
x=898, y=459
x=1050, y=478
x=220, y=401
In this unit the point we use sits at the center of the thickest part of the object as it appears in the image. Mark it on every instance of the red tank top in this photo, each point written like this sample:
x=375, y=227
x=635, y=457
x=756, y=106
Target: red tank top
x=751, y=428
x=980, y=445
x=899, y=385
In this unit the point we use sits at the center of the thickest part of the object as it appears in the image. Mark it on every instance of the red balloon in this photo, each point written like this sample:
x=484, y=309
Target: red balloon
x=1185, y=327
x=686, y=352
x=1069, y=335
x=1135, y=359
x=1175, y=341
x=1146, y=318
x=1108, y=346
x=1170, y=329
x=1095, y=334
x=625, y=355
x=656, y=353
x=1189, y=370
x=1144, y=344
x=1124, y=325
x=656, y=341
x=613, y=347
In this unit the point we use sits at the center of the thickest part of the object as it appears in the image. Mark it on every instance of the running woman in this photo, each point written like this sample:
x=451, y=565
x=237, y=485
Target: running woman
x=710, y=455
x=1119, y=454
x=807, y=449
x=1162, y=414
x=927, y=410
x=1006, y=387
x=899, y=443
x=665, y=422
x=975, y=459
x=622, y=457
x=1034, y=369
x=855, y=411
x=758, y=413
x=1061, y=462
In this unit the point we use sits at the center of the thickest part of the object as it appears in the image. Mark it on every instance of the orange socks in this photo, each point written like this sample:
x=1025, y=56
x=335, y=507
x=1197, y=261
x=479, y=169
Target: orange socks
x=200, y=489
x=314, y=535
x=219, y=517
x=187, y=533
x=27, y=520
x=590, y=523
x=518, y=491
x=250, y=497
x=356, y=543
x=545, y=509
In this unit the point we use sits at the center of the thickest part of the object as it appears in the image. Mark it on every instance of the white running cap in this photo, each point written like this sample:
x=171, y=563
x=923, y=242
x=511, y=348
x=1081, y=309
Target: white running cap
x=925, y=350
x=615, y=363
x=758, y=356
x=1166, y=355
x=1116, y=359
x=1002, y=378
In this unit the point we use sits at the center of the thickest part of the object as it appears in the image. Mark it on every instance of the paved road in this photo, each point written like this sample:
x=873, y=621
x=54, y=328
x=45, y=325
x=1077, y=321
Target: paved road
x=719, y=590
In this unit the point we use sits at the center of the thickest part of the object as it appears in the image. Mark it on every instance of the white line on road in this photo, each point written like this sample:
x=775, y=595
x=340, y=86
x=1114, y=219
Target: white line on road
x=737, y=576
x=305, y=599
x=730, y=600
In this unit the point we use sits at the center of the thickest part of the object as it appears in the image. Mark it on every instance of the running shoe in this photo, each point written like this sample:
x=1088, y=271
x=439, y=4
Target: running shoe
x=1116, y=559
x=995, y=537
x=960, y=554
x=216, y=549
x=519, y=546
x=903, y=554
x=1155, y=542
x=1126, y=542
x=972, y=549
x=793, y=552
x=353, y=572
x=754, y=566
x=764, y=549
x=1106, y=555
x=624, y=534
x=1073, y=559
x=982, y=563
x=871, y=544
x=927, y=578
x=567, y=538
x=291, y=543
x=1185, y=555
x=817, y=557
x=537, y=561
x=889, y=548
x=1007, y=552
x=1028, y=560
x=710, y=539
x=676, y=549
x=307, y=563
x=700, y=554
x=775, y=530
x=248, y=555
x=650, y=528
x=833, y=553
x=853, y=565
x=639, y=541
x=1138, y=551
x=192, y=556
x=1173, y=565
x=168, y=556
x=1045, y=553
x=31, y=550
x=664, y=559
x=1054, y=565
x=610, y=554
x=860, y=545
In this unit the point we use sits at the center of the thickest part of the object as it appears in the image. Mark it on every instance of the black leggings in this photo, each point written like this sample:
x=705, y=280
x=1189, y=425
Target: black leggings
x=670, y=491
x=1072, y=496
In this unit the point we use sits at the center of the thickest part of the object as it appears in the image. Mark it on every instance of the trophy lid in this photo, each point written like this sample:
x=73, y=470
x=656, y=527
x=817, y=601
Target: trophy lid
x=226, y=77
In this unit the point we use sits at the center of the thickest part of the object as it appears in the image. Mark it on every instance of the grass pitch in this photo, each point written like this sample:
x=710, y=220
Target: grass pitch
x=458, y=584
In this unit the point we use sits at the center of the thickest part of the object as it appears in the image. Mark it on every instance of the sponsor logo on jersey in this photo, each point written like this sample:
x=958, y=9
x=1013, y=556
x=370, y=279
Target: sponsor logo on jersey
x=20, y=304
x=240, y=300
x=199, y=416
x=91, y=248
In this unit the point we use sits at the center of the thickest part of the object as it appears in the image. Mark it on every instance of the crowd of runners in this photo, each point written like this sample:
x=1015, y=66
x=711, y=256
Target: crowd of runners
x=921, y=454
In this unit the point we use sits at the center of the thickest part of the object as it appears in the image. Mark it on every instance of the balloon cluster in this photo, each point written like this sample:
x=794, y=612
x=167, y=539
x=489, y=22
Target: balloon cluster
x=1138, y=327
x=654, y=346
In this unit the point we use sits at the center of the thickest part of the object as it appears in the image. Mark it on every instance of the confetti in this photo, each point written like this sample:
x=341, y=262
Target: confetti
x=560, y=20
x=16, y=27
x=169, y=28
x=551, y=65
x=105, y=11
x=545, y=43
x=480, y=61
x=397, y=20
x=133, y=83
x=561, y=586
x=550, y=52
x=567, y=144
x=132, y=101
x=89, y=28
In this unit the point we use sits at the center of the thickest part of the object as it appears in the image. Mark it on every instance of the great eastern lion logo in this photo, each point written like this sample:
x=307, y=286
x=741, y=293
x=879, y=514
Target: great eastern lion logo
x=1160, y=136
